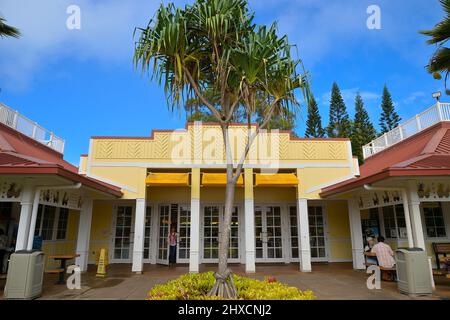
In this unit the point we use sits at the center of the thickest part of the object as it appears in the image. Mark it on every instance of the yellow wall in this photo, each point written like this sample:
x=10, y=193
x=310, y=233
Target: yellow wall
x=124, y=161
x=339, y=231
x=67, y=246
x=102, y=217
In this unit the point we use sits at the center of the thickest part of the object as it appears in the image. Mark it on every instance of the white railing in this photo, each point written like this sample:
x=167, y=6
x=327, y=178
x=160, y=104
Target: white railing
x=437, y=113
x=15, y=120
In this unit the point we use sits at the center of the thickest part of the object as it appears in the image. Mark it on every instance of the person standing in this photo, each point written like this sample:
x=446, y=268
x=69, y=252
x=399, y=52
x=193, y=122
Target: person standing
x=173, y=237
x=3, y=248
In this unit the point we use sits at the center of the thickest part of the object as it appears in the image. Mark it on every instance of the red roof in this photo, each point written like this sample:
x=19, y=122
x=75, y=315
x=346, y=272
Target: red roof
x=20, y=154
x=425, y=154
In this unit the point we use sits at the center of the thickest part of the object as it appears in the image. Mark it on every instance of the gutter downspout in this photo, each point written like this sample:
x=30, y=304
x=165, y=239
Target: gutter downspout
x=405, y=208
x=37, y=195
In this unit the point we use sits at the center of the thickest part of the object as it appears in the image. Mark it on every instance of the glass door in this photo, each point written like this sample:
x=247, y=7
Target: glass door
x=211, y=218
x=122, y=240
x=317, y=238
x=178, y=217
x=268, y=234
x=184, y=233
x=212, y=223
x=163, y=234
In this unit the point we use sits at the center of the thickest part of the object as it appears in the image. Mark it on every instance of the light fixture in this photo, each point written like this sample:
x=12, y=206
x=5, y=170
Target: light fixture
x=436, y=95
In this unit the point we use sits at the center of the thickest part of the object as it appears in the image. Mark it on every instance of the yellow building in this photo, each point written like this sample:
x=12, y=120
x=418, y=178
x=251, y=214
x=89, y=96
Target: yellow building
x=177, y=179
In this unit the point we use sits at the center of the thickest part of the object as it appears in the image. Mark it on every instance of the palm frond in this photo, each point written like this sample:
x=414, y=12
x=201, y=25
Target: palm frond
x=7, y=30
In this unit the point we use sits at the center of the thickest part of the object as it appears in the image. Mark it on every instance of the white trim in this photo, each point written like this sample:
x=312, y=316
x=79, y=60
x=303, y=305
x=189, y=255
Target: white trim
x=139, y=235
x=84, y=234
x=194, y=238
x=304, y=246
x=249, y=235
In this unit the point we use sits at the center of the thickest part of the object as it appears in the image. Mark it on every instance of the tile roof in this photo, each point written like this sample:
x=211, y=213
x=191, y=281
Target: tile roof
x=20, y=154
x=424, y=154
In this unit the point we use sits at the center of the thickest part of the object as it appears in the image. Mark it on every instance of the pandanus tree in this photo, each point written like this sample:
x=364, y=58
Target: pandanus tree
x=214, y=46
x=7, y=30
x=439, y=35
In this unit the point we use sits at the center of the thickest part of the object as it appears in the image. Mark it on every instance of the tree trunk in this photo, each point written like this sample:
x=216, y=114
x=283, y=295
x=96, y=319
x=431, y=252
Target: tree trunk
x=225, y=234
x=224, y=286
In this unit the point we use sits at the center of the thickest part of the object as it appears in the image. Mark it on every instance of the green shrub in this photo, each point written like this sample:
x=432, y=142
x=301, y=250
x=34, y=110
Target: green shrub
x=197, y=286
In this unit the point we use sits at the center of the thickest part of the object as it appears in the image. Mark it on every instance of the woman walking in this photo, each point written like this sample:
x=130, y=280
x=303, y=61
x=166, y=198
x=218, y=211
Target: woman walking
x=173, y=246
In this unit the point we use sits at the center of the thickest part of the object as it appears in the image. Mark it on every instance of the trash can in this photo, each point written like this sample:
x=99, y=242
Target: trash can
x=413, y=271
x=25, y=275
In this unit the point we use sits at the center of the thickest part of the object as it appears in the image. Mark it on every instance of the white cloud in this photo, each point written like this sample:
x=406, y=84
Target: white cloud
x=328, y=29
x=106, y=34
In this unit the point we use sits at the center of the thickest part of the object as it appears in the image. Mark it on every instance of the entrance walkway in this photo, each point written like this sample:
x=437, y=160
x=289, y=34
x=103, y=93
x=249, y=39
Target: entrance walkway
x=327, y=281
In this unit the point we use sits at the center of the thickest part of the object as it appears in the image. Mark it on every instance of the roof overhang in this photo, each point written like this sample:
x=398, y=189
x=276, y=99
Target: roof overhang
x=352, y=184
x=88, y=182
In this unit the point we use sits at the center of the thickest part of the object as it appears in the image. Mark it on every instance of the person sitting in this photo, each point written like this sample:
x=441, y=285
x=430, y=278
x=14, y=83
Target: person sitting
x=385, y=255
x=368, y=248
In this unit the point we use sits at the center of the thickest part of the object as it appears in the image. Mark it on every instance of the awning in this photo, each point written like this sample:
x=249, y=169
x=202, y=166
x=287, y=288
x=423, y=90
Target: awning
x=167, y=179
x=218, y=180
x=276, y=180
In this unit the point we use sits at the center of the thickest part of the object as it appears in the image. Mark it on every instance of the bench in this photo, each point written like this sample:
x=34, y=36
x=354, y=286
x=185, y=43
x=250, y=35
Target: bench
x=53, y=271
x=387, y=274
x=442, y=248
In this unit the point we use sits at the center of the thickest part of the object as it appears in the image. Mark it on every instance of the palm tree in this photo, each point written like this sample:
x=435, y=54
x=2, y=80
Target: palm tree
x=8, y=31
x=440, y=60
x=215, y=45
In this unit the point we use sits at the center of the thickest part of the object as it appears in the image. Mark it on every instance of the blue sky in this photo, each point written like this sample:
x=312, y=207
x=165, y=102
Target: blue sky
x=81, y=83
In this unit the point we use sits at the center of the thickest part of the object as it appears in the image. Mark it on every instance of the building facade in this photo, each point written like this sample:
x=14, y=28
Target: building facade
x=177, y=179
x=297, y=200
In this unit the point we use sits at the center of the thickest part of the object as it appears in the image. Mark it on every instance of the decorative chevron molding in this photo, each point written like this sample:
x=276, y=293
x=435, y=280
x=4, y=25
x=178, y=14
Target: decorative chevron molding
x=204, y=143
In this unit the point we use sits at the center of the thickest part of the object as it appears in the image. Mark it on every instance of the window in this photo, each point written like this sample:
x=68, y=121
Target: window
x=51, y=222
x=63, y=219
x=434, y=220
x=294, y=234
x=394, y=221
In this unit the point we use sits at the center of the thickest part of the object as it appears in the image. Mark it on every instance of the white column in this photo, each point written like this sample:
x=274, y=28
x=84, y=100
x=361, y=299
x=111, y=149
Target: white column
x=414, y=211
x=84, y=234
x=25, y=215
x=405, y=200
x=194, y=256
x=354, y=216
x=34, y=213
x=154, y=235
x=304, y=251
x=249, y=223
x=139, y=229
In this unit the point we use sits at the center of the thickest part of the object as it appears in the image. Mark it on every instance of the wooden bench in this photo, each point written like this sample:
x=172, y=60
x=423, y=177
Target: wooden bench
x=388, y=274
x=53, y=271
x=442, y=248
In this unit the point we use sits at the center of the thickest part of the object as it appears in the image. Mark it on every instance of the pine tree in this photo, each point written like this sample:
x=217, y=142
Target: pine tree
x=314, y=122
x=389, y=118
x=339, y=125
x=363, y=130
